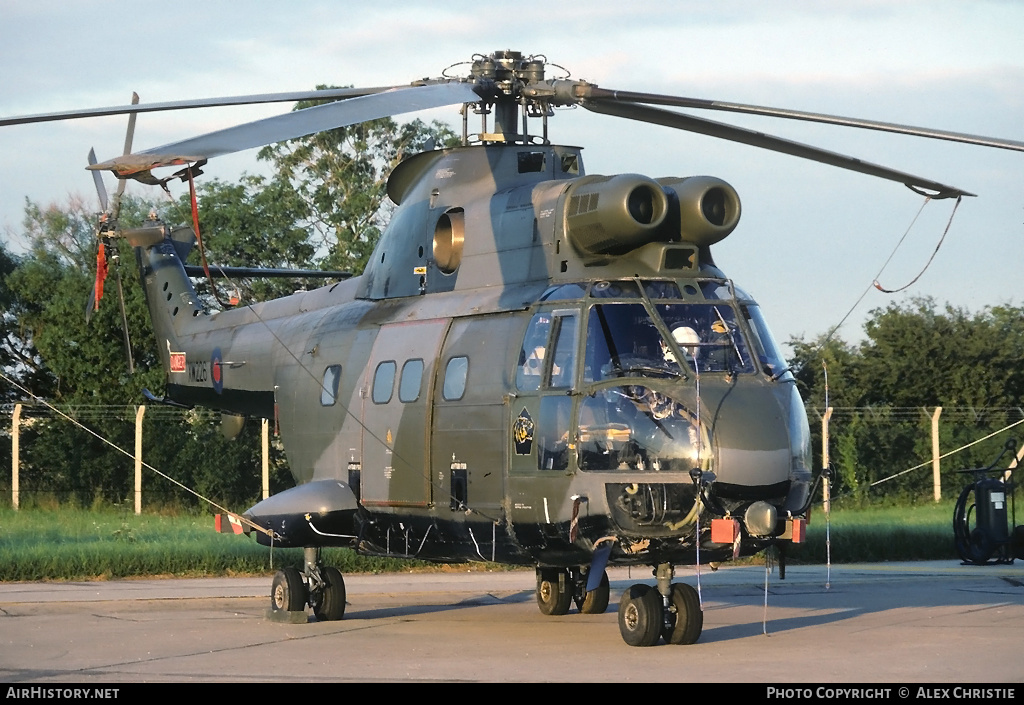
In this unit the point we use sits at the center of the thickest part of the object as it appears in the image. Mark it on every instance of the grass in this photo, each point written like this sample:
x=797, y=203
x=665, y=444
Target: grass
x=88, y=544
x=896, y=533
x=69, y=543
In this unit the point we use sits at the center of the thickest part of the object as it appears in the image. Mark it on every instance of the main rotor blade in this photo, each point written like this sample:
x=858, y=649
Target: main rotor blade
x=732, y=133
x=298, y=123
x=684, y=102
x=291, y=97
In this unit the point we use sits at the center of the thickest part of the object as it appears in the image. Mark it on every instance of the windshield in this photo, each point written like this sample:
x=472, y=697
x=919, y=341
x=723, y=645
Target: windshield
x=707, y=336
x=623, y=339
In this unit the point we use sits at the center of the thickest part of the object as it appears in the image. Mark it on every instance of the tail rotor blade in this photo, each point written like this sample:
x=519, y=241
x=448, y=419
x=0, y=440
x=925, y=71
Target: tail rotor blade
x=97, y=179
x=128, y=138
x=90, y=305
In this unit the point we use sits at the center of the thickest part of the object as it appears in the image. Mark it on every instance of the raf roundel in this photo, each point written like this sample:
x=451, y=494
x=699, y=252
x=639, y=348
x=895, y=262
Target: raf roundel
x=216, y=375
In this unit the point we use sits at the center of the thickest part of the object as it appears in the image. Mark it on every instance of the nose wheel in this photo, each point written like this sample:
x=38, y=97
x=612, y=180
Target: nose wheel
x=670, y=611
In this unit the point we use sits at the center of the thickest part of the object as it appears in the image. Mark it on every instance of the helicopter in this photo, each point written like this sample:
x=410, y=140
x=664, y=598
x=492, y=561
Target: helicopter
x=538, y=366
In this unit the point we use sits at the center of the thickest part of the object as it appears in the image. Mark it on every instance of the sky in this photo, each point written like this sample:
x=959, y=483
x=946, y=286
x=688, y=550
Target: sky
x=811, y=239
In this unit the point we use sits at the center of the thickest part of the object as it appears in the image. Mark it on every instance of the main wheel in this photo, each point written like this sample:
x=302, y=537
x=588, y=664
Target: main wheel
x=329, y=604
x=686, y=616
x=288, y=592
x=554, y=590
x=594, y=601
x=640, y=615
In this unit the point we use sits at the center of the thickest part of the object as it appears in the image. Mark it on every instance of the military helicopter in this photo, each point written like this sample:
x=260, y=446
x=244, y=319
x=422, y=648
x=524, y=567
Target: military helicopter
x=537, y=367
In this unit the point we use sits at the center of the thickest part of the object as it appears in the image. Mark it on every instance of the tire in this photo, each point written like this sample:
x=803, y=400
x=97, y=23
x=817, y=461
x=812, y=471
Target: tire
x=1017, y=542
x=972, y=543
x=330, y=606
x=288, y=592
x=554, y=596
x=687, y=616
x=640, y=615
x=595, y=601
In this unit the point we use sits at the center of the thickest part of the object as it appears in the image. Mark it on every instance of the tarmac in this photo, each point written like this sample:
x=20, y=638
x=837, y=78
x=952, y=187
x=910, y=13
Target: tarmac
x=881, y=623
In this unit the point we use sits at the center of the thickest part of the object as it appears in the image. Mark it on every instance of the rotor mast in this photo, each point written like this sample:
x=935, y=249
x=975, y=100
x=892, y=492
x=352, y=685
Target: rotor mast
x=513, y=98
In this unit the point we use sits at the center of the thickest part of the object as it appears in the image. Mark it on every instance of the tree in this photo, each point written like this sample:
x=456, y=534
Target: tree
x=340, y=177
x=916, y=357
x=324, y=207
x=83, y=363
x=256, y=222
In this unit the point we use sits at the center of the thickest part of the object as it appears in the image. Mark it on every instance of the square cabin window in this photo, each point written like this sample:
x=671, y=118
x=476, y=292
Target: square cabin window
x=455, y=378
x=329, y=386
x=409, y=384
x=384, y=382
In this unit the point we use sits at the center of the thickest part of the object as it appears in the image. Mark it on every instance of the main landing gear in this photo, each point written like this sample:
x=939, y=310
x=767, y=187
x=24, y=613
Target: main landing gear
x=559, y=588
x=323, y=589
x=648, y=614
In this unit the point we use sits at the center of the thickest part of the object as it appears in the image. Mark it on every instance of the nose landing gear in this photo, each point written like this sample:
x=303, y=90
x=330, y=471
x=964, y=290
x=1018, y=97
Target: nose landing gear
x=669, y=611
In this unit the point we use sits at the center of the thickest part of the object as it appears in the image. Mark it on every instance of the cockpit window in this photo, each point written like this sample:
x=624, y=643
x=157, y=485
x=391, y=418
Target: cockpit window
x=615, y=290
x=563, y=365
x=533, y=352
x=564, y=291
x=554, y=332
x=634, y=427
x=661, y=290
x=715, y=289
x=768, y=353
x=708, y=336
x=622, y=340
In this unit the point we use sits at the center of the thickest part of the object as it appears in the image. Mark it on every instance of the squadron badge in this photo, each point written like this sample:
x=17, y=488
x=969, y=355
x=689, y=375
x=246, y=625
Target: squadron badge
x=522, y=433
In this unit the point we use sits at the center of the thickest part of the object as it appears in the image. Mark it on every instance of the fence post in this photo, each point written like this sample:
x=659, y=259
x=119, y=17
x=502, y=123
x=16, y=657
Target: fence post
x=139, y=413
x=1014, y=463
x=15, y=451
x=265, y=447
x=936, y=482
x=826, y=501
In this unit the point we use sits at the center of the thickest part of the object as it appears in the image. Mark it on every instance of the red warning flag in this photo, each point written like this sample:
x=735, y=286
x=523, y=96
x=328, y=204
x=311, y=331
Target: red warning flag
x=101, y=274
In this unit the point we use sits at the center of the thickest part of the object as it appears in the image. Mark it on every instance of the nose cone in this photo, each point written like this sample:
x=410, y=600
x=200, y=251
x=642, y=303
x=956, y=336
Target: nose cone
x=749, y=426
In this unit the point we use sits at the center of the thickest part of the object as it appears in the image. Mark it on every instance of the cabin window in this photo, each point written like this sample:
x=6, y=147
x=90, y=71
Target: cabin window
x=570, y=164
x=384, y=382
x=455, y=374
x=329, y=386
x=530, y=162
x=409, y=384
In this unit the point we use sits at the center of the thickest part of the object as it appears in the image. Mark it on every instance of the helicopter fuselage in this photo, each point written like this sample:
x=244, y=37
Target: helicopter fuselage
x=535, y=363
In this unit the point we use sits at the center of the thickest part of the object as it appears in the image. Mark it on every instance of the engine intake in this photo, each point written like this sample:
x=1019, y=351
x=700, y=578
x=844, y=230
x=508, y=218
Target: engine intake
x=611, y=215
x=709, y=208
